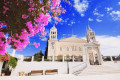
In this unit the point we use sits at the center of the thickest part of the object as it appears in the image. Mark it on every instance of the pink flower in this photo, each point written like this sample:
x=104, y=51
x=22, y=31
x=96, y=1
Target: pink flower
x=5, y=9
x=36, y=44
x=24, y=16
x=30, y=9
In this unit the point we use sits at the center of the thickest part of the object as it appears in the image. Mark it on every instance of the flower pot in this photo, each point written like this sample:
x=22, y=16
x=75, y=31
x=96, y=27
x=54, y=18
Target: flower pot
x=1, y=64
x=19, y=73
x=3, y=74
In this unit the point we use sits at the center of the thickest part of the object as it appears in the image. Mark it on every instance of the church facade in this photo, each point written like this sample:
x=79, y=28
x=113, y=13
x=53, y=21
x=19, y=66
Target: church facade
x=88, y=49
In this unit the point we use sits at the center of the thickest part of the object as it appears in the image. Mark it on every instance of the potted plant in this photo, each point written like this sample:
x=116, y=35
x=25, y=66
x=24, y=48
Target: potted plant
x=19, y=73
x=3, y=73
x=3, y=58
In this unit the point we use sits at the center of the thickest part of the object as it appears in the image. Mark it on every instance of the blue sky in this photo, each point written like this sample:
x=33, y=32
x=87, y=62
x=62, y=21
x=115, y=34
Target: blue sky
x=103, y=16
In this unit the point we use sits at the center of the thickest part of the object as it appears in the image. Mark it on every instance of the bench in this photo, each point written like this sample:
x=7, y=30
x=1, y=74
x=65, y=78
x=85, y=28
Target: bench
x=36, y=72
x=51, y=71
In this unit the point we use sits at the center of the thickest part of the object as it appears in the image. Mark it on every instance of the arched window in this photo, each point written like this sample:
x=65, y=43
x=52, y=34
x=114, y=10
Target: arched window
x=60, y=48
x=67, y=49
x=79, y=49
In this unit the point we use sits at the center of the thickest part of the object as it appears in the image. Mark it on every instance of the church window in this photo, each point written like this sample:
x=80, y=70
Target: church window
x=53, y=32
x=67, y=49
x=74, y=48
x=79, y=49
x=60, y=49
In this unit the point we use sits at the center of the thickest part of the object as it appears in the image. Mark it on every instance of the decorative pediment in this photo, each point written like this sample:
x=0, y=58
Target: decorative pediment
x=73, y=39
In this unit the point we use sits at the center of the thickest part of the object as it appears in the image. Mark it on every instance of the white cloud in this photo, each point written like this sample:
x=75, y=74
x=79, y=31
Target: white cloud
x=115, y=15
x=81, y=7
x=118, y=3
x=44, y=39
x=98, y=20
x=90, y=19
x=108, y=8
x=109, y=45
x=95, y=12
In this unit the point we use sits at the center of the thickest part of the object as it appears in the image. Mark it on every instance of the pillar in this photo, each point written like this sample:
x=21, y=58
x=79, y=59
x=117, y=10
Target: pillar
x=73, y=58
x=21, y=57
x=111, y=58
x=53, y=58
x=42, y=58
x=63, y=58
x=13, y=53
x=1, y=64
x=32, y=59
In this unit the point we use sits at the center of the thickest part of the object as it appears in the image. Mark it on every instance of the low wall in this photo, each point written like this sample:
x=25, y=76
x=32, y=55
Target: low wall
x=28, y=66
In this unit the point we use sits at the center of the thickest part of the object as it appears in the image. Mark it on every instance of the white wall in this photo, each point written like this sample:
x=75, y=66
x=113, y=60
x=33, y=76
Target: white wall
x=28, y=66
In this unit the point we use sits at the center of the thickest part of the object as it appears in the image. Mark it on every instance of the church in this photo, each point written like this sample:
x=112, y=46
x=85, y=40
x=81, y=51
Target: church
x=88, y=49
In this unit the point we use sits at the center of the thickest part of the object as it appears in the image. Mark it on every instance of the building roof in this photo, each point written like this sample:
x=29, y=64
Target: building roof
x=73, y=39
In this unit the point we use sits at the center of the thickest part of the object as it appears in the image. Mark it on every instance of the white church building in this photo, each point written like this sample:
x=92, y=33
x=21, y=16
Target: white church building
x=88, y=49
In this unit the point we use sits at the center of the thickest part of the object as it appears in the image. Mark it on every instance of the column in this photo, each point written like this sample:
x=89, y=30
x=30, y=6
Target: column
x=87, y=56
x=42, y=58
x=111, y=58
x=73, y=58
x=53, y=58
x=1, y=64
x=32, y=59
x=21, y=57
x=100, y=56
x=13, y=53
x=63, y=58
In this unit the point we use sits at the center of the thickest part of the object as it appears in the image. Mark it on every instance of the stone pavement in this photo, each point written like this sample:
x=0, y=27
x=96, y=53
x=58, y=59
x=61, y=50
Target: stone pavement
x=64, y=77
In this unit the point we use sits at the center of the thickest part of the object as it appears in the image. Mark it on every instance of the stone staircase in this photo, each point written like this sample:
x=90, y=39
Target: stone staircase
x=98, y=70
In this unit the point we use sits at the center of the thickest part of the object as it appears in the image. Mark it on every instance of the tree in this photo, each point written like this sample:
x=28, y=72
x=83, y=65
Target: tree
x=46, y=51
x=22, y=19
x=38, y=56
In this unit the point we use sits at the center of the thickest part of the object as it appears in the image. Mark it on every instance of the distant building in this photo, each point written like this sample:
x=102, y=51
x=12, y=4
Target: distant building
x=72, y=46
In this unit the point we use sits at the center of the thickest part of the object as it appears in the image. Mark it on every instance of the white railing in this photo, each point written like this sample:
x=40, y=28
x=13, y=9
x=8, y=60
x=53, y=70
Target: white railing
x=77, y=69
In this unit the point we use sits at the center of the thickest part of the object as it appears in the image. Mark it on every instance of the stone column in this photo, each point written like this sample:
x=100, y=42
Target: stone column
x=73, y=58
x=53, y=58
x=21, y=58
x=13, y=53
x=42, y=58
x=1, y=64
x=111, y=58
x=63, y=59
x=87, y=56
x=32, y=59
x=100, y=56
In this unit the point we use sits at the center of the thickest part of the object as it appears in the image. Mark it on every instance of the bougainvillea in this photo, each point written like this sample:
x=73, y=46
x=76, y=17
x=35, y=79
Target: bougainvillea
x=4, y=57
x=23, y=19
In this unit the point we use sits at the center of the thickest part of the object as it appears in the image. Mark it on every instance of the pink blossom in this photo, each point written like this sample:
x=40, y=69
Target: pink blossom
x=1, y=24
x=24, y=16
x=30, y=9
x=5, y=9
x=36, y=44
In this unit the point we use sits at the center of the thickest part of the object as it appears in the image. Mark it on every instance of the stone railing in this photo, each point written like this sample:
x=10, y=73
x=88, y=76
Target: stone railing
x=51, y=58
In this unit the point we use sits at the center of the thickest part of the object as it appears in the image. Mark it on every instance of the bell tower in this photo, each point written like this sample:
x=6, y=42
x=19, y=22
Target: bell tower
x=90, y=35
x=53, y=33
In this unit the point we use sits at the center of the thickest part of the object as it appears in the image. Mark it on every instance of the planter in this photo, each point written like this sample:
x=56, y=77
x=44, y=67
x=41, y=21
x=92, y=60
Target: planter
x=3, y=74
x=1, y=64
x=20, y=74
